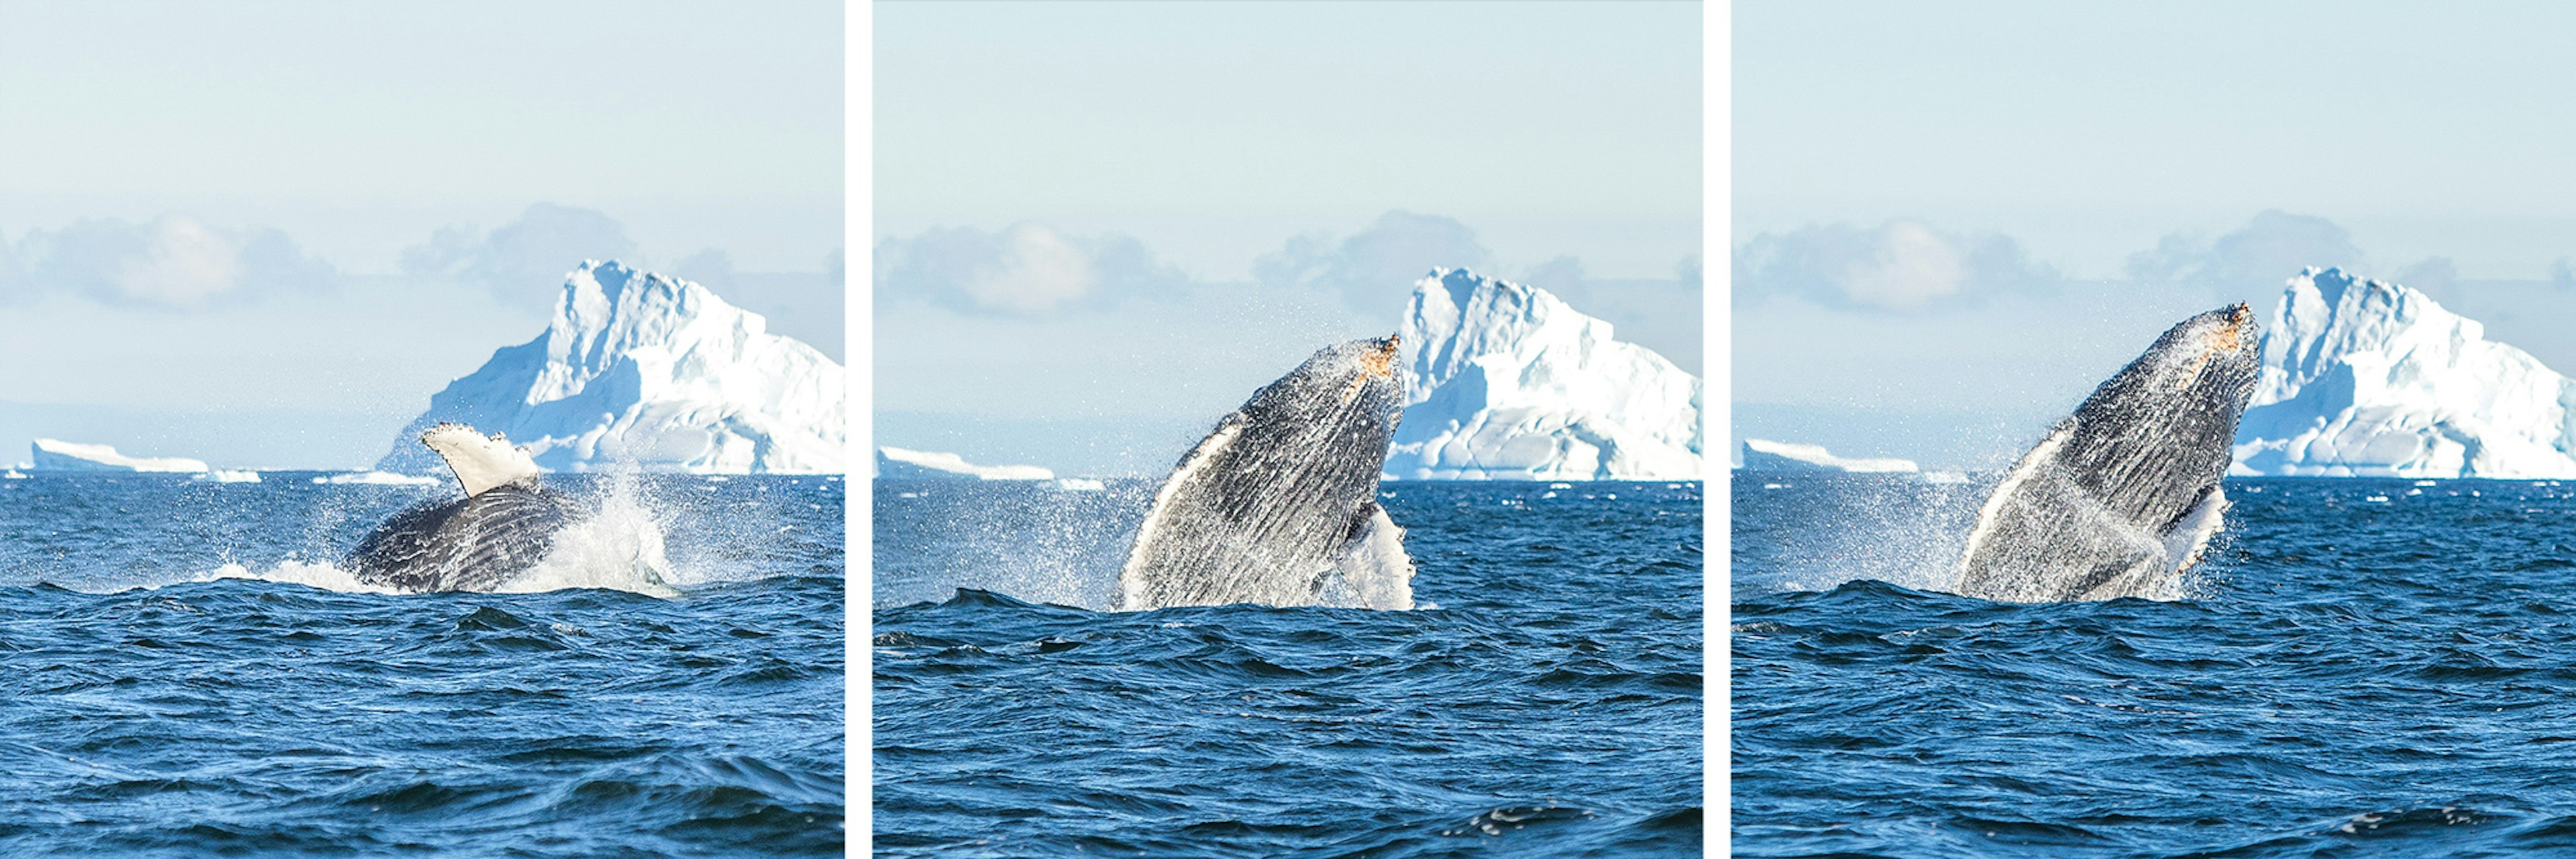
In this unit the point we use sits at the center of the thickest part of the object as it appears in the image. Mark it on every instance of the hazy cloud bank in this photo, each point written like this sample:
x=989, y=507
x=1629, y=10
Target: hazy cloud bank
x=1027, y=270
x=1901, y=266
x=172, y=262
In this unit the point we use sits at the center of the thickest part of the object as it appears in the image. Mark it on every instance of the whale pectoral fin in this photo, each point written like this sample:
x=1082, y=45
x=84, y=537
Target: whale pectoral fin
x=1372, y=562
x=480, y=462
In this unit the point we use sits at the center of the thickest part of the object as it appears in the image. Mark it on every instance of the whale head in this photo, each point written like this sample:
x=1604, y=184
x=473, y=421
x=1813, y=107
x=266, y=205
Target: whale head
x=2210, y=360
x=1356, y=382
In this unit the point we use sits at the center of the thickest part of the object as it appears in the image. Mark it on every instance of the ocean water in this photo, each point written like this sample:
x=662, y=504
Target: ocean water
x=2362, y=668
x=185, y=674
x=1545, y=702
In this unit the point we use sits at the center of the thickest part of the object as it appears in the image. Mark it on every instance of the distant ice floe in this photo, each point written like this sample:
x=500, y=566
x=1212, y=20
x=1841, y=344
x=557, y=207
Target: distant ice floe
x=2366, y=378
x=229, y=475
x=57, y=455
x=1766, y=455
x=898, y=463
x=1080, y=484
x=381, y=478
x=644, y=371
x=1504, y=381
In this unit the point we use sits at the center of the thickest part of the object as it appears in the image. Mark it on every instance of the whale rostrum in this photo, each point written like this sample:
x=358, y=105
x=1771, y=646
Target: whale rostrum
x=1279, y=502
x=504, y=525
x=2122, y=496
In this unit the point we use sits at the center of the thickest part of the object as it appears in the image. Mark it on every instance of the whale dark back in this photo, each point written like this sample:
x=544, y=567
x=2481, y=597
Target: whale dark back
x=467, y=544
x=2093, y=511
x=1260, y=509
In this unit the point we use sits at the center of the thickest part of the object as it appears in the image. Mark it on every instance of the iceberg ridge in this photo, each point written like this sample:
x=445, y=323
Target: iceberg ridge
x=2366, y=378
x=1505, y=381
x=640, y=370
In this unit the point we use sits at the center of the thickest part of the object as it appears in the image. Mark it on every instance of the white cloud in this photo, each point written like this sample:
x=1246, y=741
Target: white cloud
x=1027, y=269
x=171, y=262
x=1374, y=269
x=1897, y=266
x=2259, y=256
x=2435, y=275
x=525, y=260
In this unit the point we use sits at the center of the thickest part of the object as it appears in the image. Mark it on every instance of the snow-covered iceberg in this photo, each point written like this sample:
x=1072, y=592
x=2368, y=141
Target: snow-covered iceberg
x=899, y=464
x=1506, y=382
x=2365, y=378
x=55, y=455
x=1767, y=455
x=640, y=370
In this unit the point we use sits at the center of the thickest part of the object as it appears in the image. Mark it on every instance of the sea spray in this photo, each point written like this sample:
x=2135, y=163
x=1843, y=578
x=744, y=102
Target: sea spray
x=618, y=546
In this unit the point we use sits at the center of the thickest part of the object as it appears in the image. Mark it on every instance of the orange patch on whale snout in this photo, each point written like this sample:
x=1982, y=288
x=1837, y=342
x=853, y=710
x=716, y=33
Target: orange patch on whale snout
x=1380, y=361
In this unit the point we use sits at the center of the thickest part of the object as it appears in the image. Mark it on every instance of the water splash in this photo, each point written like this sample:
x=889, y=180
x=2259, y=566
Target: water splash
x=619, y=546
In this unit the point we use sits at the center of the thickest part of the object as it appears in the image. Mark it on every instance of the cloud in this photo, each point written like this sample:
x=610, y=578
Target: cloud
x=526, y=259
x=1374, y=269
x=172, y=262
x=2434, y=274
x=1897, y=266
x=2268, y=250
x=1027, y=269
x=1564, y=277
x=711, y=268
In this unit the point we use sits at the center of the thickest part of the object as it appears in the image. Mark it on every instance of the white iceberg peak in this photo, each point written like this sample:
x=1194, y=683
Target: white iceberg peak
x=2366, y=378
x=642, y=370
x=1506, y=381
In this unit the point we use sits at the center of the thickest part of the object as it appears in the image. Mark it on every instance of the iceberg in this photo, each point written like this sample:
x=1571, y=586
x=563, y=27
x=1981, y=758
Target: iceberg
x=228, y=475
x=55, y=455
x=2366, y=378
x=1507, y=382
x=1767, y=455
x=640, y=370
x=899, y=464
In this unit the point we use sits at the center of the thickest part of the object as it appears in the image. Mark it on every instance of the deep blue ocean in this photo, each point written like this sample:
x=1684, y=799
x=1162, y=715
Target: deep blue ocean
x=2363, y=668
x=1546, y=701
x=184, y=674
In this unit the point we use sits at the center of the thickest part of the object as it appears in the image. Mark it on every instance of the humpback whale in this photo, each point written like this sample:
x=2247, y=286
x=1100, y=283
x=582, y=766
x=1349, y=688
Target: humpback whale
x=2122, y=496
x=505, y=523
x=1278, y=505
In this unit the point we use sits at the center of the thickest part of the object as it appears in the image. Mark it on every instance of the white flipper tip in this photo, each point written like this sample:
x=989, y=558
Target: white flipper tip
x=480, y=462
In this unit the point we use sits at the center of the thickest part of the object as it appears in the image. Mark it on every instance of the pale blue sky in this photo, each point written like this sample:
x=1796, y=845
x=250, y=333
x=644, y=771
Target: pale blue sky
x=206, y=208
x=2091, y=129
x=1100, y=225
x=1213, y=131
x=2096, y=171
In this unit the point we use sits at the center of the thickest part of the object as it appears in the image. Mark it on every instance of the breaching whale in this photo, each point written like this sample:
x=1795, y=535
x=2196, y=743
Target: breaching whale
x=2123, y=495
x=1278, y=505
x=505, y=523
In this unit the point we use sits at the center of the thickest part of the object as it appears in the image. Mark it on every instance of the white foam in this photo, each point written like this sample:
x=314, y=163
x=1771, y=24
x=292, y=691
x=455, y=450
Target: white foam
x=618, y=548
x=1376, y=573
